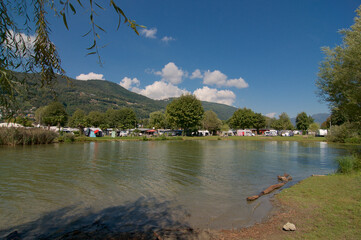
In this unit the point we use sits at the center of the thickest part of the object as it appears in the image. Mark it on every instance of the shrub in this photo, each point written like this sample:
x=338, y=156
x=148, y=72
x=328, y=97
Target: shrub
x=67, y=137
x=355, y=140
x=24, y=136
x=349, y=164
x=342, y=133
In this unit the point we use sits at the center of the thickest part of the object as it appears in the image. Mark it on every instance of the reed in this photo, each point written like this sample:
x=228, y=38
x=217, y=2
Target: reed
x=26, y=136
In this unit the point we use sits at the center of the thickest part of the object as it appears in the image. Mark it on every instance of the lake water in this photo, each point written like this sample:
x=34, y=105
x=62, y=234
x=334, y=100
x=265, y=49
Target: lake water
x=132, y=186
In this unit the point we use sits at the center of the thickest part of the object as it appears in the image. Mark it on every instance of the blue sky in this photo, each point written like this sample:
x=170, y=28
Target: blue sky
x=260, y=54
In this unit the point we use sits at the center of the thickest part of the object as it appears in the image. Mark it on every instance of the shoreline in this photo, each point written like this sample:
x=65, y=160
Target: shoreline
x=210, y=138
x=317, y=213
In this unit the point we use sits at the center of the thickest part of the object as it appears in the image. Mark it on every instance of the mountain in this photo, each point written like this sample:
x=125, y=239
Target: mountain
x=318, y=118
x=98, y=95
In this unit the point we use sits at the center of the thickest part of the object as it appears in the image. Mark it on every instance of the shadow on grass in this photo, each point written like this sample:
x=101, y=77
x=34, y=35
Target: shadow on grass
x=142, y=219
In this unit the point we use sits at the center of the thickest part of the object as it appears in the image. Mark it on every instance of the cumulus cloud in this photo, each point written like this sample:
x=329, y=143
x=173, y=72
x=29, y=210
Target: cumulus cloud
x=271, y=115
x=196, y=74
x=160, y=90
x=238, y=83
x=214, y=78
x=167, y=39
x=171, y=73
x=90, y=76
x=220, y=79
x=213, y=95
x=149, y=33
x=128, y=83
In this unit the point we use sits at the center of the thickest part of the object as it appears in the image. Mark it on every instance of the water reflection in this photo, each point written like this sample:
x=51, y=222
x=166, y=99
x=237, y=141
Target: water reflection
x=209, y=179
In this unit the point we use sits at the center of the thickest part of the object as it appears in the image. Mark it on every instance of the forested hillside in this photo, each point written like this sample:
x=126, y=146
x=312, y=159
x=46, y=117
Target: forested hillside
x=99, y=95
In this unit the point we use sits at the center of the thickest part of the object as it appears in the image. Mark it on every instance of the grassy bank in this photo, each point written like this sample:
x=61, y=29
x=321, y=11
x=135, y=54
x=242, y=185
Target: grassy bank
x=322, y=207
x=326, y=207
x=257, y=138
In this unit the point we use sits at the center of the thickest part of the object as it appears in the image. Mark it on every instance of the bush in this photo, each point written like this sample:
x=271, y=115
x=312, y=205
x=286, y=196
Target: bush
x=66, y=137
x=24, y=136
x=342, y=133
x=355, y=140
x=349, y=164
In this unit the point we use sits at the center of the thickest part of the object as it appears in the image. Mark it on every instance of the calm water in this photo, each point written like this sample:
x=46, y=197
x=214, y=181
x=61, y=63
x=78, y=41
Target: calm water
x=140, y=185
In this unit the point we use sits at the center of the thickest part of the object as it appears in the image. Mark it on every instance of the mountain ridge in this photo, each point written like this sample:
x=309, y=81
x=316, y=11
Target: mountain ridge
x=99, y=95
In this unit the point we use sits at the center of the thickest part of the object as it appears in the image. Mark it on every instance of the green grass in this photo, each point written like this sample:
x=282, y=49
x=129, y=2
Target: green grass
x=257, y=138
x=326, y=207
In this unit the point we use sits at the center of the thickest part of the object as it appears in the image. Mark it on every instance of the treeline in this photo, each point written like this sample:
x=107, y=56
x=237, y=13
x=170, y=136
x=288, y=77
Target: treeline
x=55, y=115
x=185, y=112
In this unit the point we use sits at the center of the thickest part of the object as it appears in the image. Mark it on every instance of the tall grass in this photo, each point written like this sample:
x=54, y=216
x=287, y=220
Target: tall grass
x=23, y=136
x=349, y=164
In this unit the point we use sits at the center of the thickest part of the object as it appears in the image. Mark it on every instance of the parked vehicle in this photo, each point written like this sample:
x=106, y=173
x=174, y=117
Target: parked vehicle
x=271, y=133
x=321, y=133
x=245, y=133
x=123, y=133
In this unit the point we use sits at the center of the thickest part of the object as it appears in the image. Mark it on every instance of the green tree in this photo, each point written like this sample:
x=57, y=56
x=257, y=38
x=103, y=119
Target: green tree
x=314, y=127
x=259, y=121
x=282, y=123
x=79, y=120
x=55, y=115
x=39, y=114
x=303, y=121
x=158, y=120
x=339, y=77
x=185, y=112
x=18, y=54
x=96, y=118
x=211, y=122
x=242, y=118
x=127, y=118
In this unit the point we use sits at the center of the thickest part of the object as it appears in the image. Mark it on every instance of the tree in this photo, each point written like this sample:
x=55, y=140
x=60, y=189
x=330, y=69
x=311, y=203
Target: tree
x=19, y=54
x=339, y=77
x=211, y=122
x=242, y=118
x=314, y=127
x=185, y=112
x=55, y=115
x=123, y=118
x=39, y=113
x=96, y=118
x=259, y=121
x=303, y=121
x=158, y=120
x=282, y=123
x=127, y=118
x=79, y=120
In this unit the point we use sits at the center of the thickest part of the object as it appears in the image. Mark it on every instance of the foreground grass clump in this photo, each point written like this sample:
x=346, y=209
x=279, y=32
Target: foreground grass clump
x=24, y=136
x=349, y=164
x=327, y=207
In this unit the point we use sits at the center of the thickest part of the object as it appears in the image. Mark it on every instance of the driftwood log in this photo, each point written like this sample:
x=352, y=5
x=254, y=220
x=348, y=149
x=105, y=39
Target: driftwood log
x=284, y=179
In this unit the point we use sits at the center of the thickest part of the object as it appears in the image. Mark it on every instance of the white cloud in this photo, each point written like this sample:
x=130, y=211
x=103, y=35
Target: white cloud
x=90, y=76
x=271, y=115
x=167, y=39
x=171, y=73
x=160, y=90
x=128, y=83
x=218, y=78
x=149, y=33
x=214, y=78
x=196, y=74
x=238, y=83
x=213, y=95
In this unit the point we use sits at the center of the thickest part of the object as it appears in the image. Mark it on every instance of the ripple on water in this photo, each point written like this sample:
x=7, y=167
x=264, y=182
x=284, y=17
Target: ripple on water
x=207, y=180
